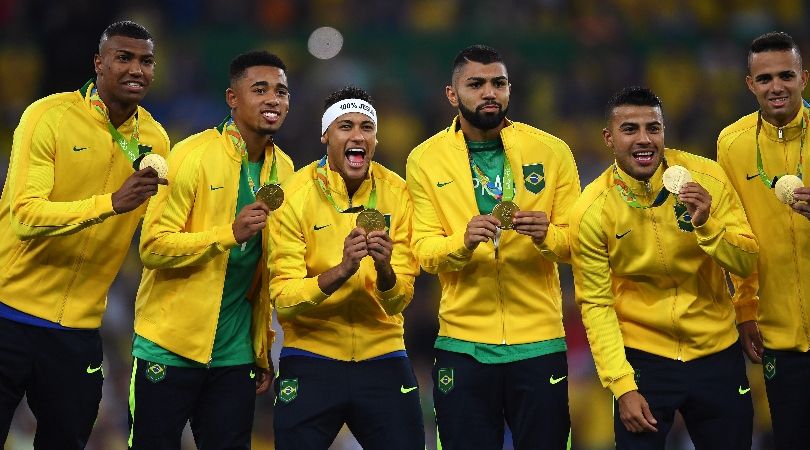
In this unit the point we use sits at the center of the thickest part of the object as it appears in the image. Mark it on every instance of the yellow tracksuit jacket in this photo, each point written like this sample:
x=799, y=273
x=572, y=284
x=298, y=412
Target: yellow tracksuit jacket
x=780, y=286
x=185, y=245
x=357, y=321
x=645, y=283
x=61, y=243
x=509, y=296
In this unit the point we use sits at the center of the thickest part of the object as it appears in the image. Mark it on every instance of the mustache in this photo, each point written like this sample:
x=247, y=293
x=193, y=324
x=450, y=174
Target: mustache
x=489, y=103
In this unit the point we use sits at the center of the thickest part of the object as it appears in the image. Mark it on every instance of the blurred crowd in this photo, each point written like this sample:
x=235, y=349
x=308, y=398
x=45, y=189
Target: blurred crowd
x=565, y=58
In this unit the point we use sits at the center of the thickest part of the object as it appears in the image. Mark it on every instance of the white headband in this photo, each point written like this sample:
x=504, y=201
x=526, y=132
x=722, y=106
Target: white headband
x=342, y=107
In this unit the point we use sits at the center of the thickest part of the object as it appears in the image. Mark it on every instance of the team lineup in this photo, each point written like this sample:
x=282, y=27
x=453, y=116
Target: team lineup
x=683, y=266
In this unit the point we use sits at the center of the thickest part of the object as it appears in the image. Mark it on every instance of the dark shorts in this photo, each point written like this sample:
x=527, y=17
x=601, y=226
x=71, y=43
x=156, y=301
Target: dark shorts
x=711, y=393
x=473, y=399
x=378, y=400
x=60, y=373
x=218, y=401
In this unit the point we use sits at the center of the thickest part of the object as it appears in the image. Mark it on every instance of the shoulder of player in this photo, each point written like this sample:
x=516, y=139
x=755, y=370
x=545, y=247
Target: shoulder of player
x=542, y=137
x=283, y=158
x=696, y=164
x=431, y=145
x=300, y=182
x=52, y=107
x=592, y=200
x=730, y=133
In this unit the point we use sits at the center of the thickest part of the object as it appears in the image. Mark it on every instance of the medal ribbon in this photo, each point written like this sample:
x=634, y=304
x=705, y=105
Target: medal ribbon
x=508, y=192
x=321, y=175
x=770, y=183
x=630, y=198
x=236, y=138
x=128, y=147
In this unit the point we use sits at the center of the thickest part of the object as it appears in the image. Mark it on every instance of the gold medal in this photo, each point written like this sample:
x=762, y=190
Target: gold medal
x=675, y=177
x=156, y=162
x=371, y=220
x=784, y=188
x=505, y=212
x=271, y=195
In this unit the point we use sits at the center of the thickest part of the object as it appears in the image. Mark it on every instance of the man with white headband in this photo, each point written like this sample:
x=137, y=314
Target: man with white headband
x=343, y=272
x=500, y=353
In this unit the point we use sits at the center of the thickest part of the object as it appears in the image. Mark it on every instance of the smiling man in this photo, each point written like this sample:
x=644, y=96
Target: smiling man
x=500, y=353
x=70, y=206
x=755, y=151
x=202, y=324
x=343, y=272
x=648, y=270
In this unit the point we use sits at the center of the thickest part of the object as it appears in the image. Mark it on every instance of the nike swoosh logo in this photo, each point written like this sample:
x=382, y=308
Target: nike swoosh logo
x=214, y=188
x=405, y=390
x=553, y=380
x=743, y=391
x=252, y=374
x=751, y=177
x=440, y=184
x=316, y=227
x=93, y=369
x=78, y=149
x=619, y=236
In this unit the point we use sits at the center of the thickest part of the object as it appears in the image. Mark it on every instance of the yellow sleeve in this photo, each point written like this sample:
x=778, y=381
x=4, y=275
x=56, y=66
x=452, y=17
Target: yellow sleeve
x=31, y=178
x=396, y=299
x=726, y=236
x=435, y=251
x=746, y=289
x=556, y=246
x=592, y=281
x=164, y=243
x=291, y=290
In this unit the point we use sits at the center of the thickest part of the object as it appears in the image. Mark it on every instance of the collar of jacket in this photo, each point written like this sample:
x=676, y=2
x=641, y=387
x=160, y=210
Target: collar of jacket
x=337, y=186
x=459, y=143
x=645, y=189
x=236, y=154
x=790, y=131
x=85, y=91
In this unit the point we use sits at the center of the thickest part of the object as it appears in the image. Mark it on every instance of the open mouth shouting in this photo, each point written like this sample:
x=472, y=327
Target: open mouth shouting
x=356, y=158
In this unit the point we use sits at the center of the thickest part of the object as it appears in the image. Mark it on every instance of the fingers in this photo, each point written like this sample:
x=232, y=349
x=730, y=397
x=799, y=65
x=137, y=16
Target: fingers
x=484, y=221
x=263, y=381
x=647, y=421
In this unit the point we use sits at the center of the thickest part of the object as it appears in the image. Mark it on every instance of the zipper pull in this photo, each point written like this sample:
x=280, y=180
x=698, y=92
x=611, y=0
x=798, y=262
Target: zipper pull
x=780, y=132
x=497, y=241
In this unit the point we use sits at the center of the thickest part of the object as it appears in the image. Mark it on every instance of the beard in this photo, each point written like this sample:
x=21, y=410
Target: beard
x=483, y=121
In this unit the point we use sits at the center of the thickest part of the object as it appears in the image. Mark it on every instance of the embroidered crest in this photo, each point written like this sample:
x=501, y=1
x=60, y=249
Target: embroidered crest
x=155, y=372
x=288, y=390
x=445, y=379
x=534, y=178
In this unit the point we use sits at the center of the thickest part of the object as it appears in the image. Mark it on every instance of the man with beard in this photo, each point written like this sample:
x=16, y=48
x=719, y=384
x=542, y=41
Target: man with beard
x=64, y=234
x=343, y=272
x=650, y=239
x=201, y=319
x=490, y=218
x=757, y=151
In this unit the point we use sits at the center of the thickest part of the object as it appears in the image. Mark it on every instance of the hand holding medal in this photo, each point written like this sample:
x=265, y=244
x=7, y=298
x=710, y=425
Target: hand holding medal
x=675, y=177
x=271, y=195
x=505, y=212
x=371, y=220
x=784, y=188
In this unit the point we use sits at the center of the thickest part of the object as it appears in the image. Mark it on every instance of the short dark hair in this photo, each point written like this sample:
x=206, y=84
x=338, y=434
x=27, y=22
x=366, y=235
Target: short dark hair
x=126, y=28
x=633, y=95
x=775, y=41
x=246, y=60
x=347, y=93
x=475, y=53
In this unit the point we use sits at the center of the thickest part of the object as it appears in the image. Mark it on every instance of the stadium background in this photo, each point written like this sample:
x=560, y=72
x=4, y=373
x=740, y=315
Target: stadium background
x=565, y=58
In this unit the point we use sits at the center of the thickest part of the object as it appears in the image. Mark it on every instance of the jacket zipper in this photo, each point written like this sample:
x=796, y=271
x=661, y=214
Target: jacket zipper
x=500, y=296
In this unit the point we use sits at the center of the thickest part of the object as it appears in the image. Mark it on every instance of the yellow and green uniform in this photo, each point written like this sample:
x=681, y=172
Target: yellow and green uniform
x=61, y=242
x=646, y=278
x=487, y=297
x=357, y=322
x=777, y=294
x=190, y=285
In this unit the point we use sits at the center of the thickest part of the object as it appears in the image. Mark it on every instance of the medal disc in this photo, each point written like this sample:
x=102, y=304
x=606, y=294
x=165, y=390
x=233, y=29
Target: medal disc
x=784, y=188
x=156, y=162
x=371, y=220
x=271, y=195
x=675, y=177
x=505, y=211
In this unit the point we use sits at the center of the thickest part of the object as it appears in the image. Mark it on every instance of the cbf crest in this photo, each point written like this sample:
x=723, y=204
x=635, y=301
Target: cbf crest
x=288, y=390
x=155, y=372
x=534, y=178
x=683, y=218
x=445, y=380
